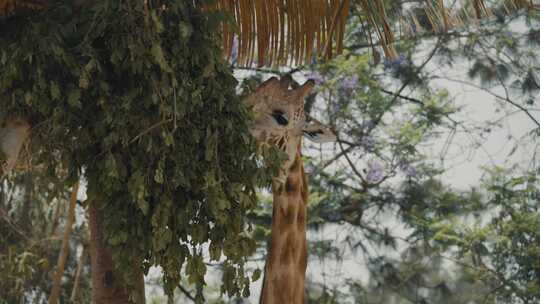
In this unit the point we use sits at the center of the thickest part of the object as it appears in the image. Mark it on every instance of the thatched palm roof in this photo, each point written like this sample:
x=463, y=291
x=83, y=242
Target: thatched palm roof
x=285, y=32
x=8, y=7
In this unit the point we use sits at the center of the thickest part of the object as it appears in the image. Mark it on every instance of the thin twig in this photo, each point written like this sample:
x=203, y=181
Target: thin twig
x=353, y=167
x=186, y=292
x=150, y=129
x=505, y=99
x=17, y=229
x=405, y=84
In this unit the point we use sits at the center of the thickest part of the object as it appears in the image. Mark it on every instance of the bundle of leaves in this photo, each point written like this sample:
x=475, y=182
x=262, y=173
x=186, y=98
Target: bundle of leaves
x=139, y=101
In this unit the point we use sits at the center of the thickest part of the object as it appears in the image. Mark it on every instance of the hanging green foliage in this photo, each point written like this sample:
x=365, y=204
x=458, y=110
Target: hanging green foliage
x=139, y=101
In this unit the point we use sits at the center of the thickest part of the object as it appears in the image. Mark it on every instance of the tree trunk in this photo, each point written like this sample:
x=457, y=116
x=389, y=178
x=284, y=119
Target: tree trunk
x=107, y=285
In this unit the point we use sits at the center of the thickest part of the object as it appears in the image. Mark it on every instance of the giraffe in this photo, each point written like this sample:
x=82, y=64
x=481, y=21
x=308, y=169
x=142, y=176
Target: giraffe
x=279, y=119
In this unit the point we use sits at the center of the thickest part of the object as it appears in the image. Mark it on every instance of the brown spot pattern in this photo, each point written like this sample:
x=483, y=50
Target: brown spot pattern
x=287, y=256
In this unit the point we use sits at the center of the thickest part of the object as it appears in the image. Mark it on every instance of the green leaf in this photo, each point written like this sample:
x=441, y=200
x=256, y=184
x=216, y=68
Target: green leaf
x=74, y=98
x=223, y=204
x=110, y=166
x=84, y=82
x=256, y=275
x=143, y=206
x=168, y=138
x=158, y=176
x=185, y=30
x=215, y=251
x=55, y=91
x=159, y=57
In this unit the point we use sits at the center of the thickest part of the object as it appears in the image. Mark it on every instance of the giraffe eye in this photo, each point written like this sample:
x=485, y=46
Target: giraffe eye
x=280, y=118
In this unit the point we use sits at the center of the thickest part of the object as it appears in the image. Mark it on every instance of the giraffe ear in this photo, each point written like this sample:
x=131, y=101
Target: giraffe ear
x=304, y=89
x=272, y=82
x=318, y=132
x=265, y=87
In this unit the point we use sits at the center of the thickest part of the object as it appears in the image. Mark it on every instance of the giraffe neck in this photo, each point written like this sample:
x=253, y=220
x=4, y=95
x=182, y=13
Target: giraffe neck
x=286, y=261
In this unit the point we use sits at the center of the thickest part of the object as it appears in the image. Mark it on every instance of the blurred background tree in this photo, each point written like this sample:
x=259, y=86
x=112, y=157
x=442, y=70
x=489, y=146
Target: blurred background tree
x=34, y=212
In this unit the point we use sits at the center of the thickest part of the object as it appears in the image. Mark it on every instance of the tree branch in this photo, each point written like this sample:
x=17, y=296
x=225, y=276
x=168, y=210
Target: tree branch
x=405, y=84
x=502, y=98
x=186, y=292
x=62, y=258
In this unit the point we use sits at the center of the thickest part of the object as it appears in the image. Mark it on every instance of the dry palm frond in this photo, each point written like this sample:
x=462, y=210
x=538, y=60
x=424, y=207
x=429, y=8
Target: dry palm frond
x=436, y=16
x=280, y=32
x=8, y=7
x=376, y=15
x=442, y=19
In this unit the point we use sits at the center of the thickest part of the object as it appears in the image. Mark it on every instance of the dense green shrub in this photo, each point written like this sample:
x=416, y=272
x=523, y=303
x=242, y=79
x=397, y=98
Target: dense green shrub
x=140, y=102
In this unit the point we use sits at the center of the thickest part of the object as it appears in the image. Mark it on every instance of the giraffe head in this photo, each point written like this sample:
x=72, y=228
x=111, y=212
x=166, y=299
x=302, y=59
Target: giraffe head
x=279, y=117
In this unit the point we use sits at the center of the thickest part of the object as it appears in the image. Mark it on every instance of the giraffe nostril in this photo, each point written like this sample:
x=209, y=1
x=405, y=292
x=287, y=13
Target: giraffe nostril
x=280, y=117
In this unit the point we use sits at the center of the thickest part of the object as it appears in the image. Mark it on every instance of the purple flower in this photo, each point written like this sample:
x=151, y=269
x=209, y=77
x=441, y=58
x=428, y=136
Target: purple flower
x=336, y=107
x=350, y=83
x=375, y=172
x=411, y=172
x=407, y=169
x=368, y=143
x=395, y=63
x=334, y=216
x=316, y=76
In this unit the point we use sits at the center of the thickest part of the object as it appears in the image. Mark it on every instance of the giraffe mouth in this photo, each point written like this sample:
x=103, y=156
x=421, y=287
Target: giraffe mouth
x=281, y=142
x=313, y=134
